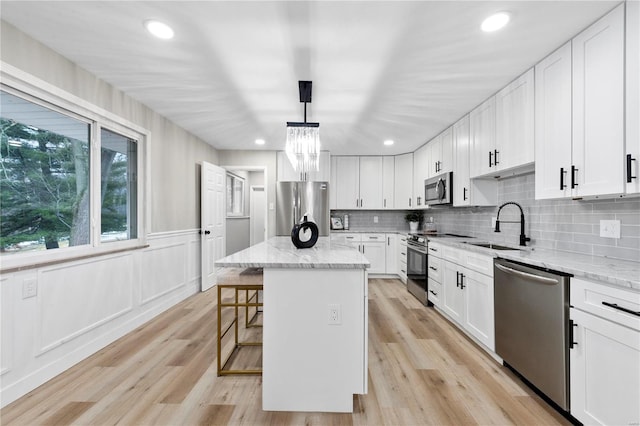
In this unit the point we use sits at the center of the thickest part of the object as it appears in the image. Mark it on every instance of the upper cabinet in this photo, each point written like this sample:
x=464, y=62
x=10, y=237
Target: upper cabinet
x=502, y=130
x=358, y=182
x=420, y=173
x=440, y=153
x=403, y=181
x=468, y=192
x=388, y=182
x=632, y=136
x=580, y=114
x=285, y=170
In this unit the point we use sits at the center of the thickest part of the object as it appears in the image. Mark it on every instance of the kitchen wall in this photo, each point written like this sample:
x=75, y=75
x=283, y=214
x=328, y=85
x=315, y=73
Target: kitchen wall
x=567, y=225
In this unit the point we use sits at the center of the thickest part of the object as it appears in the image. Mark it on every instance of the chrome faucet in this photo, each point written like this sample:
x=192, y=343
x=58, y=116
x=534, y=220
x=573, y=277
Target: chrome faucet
x=523, y=237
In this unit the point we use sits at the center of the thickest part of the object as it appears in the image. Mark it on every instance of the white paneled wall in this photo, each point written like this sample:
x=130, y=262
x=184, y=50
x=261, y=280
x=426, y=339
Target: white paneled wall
x=82, y=306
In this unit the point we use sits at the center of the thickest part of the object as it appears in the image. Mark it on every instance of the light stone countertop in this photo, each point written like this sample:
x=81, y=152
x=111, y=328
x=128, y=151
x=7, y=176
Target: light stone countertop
x=279, y=252
x=619, y=273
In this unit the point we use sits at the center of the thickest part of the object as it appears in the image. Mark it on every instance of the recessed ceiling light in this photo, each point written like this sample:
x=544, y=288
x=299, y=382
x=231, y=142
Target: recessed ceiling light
x=259, y=141
x=159, y=29
x=495, y=22
x=388, y=142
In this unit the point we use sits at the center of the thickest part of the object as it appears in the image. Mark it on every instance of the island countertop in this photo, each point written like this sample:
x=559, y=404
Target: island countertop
x=279, y=252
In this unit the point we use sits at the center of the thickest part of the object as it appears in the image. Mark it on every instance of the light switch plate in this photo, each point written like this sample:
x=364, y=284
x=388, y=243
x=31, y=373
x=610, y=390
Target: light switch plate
x=375, y=219
x=29, y=288
x=610, y=228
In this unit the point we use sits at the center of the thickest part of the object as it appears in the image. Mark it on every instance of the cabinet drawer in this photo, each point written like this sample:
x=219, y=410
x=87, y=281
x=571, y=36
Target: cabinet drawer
x=434, y=249
x=434, y=292
x=479, y=263
x=606, y=302
x=351, y=237
x=434, y=268
x=381, y=238
x=452, y=254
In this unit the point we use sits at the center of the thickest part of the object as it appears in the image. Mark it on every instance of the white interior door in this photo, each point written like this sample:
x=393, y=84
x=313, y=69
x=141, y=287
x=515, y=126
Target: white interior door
x=257, y=215
x=212, y=220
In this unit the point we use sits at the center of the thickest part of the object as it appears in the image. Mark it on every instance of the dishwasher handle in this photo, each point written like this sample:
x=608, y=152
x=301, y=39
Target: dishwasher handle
x=538, y=278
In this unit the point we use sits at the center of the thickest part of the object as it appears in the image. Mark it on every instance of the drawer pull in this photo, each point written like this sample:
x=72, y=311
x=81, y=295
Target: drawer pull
x=571, y=342
x=620, y=308
x=433, y=269
x=433, y=249
x=433, y=292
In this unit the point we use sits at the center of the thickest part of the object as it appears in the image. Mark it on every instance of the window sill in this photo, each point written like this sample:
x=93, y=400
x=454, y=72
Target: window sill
x=42, y=264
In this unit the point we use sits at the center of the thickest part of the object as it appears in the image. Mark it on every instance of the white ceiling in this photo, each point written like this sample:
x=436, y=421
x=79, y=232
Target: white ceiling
x=380, y=70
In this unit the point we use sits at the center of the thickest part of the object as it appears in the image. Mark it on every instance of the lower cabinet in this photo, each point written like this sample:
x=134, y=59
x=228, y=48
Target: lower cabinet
x=391, y=251
x=402, y=258
x=467, y=298
x=605, y=354
x=375, y=254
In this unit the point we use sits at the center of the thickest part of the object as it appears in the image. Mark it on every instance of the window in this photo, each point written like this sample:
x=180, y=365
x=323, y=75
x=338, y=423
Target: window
x=49, y=182
x=235, y=195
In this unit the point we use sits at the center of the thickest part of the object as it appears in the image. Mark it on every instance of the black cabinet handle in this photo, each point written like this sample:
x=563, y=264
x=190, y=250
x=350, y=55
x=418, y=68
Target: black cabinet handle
x=433, y=269
x=433, y=292
x=490, y=158
x=462, y=286
x=629, y=175
x=457, y=279
x=573, y=176
x=620, y=308
x=571, y=342
x=433, y=249
x=495, y=157
x=562, y=173
x=464, y=194
x=409, y=202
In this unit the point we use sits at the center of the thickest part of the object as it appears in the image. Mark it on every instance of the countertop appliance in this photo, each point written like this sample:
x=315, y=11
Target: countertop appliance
x=532, y=327
x=295, y=200
x=417, y=264
x=439, y=189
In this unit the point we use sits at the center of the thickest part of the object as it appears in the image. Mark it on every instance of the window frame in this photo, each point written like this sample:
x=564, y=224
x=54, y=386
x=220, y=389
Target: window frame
x=234, y=178
x=26, y=86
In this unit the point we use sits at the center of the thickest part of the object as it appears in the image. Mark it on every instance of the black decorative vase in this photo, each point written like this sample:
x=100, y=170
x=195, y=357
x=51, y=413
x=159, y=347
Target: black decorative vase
x=300, y=230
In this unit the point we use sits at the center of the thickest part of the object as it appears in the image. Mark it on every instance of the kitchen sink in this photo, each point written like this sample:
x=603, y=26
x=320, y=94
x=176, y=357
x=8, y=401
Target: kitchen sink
x=492, y=246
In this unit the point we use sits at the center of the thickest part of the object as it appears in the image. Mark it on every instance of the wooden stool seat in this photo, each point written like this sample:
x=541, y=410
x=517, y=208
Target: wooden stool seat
x=248, y=280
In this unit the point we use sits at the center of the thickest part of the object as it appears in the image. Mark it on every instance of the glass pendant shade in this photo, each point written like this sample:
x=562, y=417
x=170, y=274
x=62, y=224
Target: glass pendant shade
x=303, y=146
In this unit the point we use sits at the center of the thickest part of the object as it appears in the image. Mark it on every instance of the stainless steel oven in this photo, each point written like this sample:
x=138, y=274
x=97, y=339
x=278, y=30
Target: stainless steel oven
x=439, y=189
x=417, y=267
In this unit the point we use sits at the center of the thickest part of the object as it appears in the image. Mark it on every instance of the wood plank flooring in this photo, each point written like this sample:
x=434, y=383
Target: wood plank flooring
x=422, y=371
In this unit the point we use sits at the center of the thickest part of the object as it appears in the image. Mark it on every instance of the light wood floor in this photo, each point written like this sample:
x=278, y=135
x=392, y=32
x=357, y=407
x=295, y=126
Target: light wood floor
x=421, y=371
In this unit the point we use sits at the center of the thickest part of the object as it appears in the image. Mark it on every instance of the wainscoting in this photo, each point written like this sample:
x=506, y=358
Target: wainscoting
x=82, y=306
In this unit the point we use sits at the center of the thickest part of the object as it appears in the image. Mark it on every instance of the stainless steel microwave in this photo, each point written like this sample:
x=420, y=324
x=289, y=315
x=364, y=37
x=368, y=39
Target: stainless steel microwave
x=439, y=189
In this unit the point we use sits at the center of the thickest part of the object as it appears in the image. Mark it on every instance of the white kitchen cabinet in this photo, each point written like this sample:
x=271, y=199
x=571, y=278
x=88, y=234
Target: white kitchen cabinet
x=514, y=124
x=347, y=185
x=482, y=121
x=580, y=128
x=391, y=254
x=605, y=354
x=333, y=197
x=435, y=273
x=632, y=135
x=388, y=181
x=285, y=170
x=371, y=179
x=468, y=192
x=402, y=258
x=440, y=153
x=373, y=247
x=467, y=289
x=420, y=173
x=598, y=107
x=553, y=125
x=403, y=181
x=502, y=138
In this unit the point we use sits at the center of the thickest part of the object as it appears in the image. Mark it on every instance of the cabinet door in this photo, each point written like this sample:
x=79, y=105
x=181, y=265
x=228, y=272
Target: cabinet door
x=388, y=181
x=431, y=156
x=553, y=125
x=453, y=296
x=598, y=106
x=482, y=122
x=371, y=182
x=479, y=318
x=604, y=371
x=420, y=173
x=375, y=254
x=285, y=170
x=333, y=184
x=391, y=254
x=514, y=123
x=461, y=179
x=324, y=173
x=632, y=137
x=402, y=258
x=403, y=181
x=445, y=151
x=347, y=182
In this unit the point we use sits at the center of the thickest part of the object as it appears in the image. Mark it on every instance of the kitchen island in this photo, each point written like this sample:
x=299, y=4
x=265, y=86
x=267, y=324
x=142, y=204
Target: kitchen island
x=314, y=323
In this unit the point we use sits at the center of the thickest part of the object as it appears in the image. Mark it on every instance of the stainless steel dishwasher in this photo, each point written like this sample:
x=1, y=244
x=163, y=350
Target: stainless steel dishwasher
x=531, y=324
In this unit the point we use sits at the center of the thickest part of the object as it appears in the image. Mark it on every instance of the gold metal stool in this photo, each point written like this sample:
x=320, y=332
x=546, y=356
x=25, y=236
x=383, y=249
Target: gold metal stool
x=240, y=280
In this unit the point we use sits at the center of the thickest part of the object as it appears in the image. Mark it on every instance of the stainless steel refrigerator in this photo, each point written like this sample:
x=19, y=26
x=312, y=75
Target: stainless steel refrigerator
x=294, y=200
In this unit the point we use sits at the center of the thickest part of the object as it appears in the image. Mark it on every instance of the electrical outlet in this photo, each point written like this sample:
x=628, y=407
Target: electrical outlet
x=375, y=219
x=335, y=317
x=29, y=288
x=610, y=228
